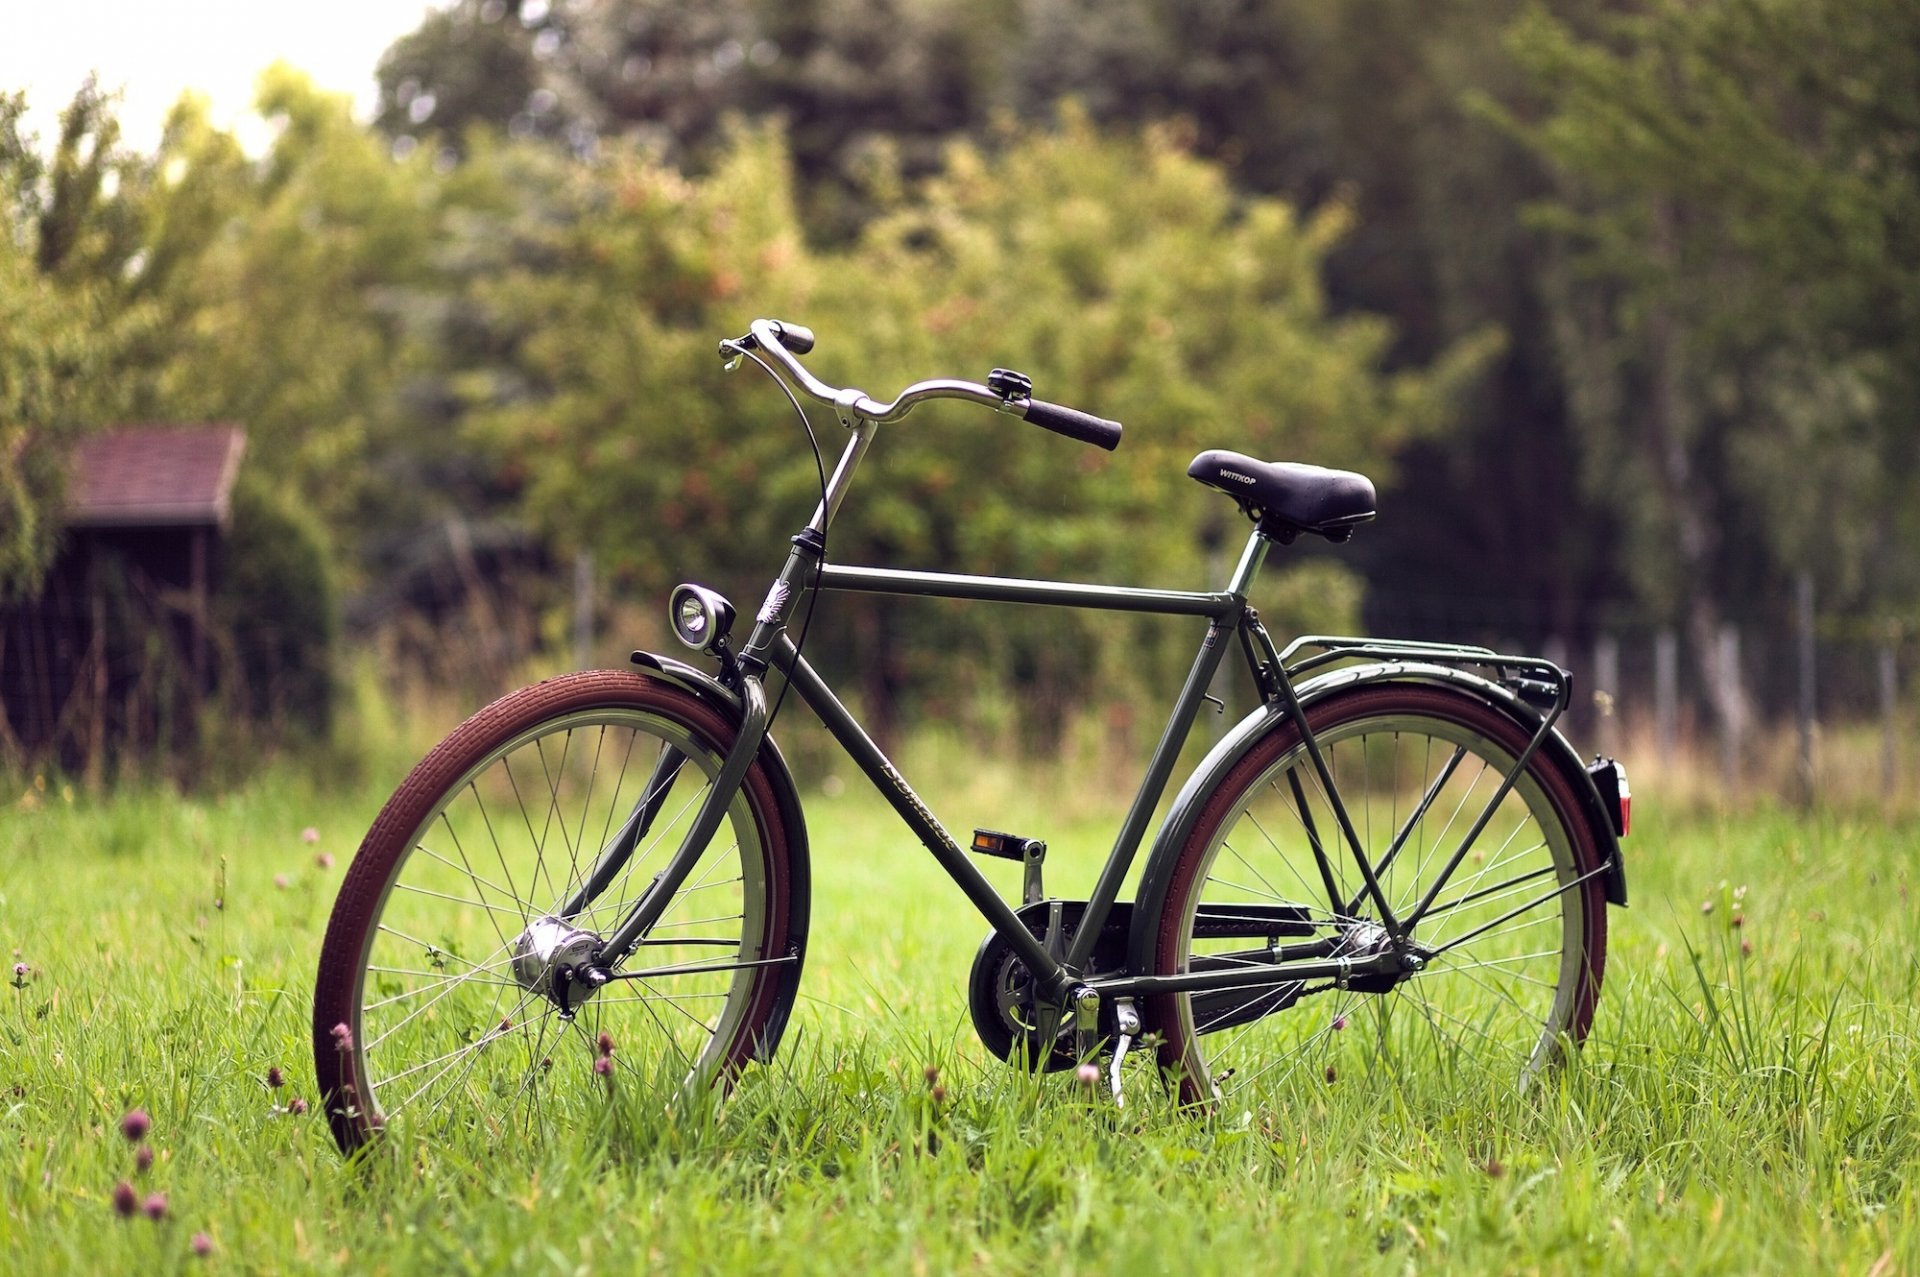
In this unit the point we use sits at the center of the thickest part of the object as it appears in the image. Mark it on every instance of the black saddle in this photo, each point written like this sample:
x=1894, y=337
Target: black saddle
x=1286, y=497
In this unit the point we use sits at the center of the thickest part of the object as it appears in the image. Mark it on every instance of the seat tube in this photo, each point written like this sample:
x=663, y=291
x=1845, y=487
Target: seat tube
x=1249, y=566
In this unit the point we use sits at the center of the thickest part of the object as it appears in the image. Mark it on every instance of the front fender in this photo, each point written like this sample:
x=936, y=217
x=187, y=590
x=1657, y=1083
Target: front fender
x=720, y=697
x=1221, y=759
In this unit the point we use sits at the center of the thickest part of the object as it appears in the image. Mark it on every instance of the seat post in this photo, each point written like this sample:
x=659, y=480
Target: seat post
x=1250, y=560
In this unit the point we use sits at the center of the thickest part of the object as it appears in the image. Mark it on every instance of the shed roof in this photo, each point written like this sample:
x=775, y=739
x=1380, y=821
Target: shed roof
x=154, y=476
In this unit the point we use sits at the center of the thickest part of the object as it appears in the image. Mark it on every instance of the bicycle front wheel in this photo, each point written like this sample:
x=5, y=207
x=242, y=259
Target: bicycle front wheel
x=443, y=1004
x=1510, y=949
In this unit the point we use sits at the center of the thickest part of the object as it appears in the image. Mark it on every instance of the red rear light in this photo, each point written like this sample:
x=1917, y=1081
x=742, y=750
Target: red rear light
x=1610, y=780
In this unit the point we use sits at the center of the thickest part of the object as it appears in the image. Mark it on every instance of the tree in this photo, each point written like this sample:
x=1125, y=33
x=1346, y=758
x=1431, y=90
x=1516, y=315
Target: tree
x=59, y=330
x=1736, y=302
x=1144, y=287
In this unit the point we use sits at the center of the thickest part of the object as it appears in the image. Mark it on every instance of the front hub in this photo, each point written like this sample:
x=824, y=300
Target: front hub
x=546, y=957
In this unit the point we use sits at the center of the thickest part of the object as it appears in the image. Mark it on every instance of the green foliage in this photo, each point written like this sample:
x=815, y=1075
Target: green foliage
x=57, y=335
x=276, y=604
x=1142, y=287
x=1738, y=305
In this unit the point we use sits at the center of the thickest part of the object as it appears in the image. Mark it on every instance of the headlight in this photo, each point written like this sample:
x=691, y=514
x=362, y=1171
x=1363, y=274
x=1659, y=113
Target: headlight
x=700, y=617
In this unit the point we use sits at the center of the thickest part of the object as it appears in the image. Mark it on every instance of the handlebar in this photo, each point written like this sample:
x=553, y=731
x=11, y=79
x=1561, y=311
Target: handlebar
x=783, y=341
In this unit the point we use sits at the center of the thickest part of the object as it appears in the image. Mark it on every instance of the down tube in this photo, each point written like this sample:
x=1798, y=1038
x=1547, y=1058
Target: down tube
x=893, y=786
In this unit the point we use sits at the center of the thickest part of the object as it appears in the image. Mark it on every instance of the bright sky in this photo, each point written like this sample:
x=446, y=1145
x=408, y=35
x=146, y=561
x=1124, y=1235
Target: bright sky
x=152, y=50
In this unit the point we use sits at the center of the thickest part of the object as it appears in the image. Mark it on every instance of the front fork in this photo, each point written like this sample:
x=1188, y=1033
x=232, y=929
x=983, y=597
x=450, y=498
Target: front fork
x=802, y=563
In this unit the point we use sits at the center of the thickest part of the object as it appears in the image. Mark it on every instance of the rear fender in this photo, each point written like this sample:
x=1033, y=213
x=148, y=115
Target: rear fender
x=717, y=695
x=1221, y=759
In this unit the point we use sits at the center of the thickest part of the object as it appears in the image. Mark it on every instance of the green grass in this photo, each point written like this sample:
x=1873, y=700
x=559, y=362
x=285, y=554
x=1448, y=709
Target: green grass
x=1731, y=1113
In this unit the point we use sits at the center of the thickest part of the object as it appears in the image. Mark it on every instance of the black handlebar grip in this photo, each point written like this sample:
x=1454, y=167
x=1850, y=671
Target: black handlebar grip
x=794, y=337
x=1074, y=424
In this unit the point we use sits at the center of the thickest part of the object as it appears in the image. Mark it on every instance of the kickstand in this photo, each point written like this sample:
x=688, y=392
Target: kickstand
x=1127, y=1020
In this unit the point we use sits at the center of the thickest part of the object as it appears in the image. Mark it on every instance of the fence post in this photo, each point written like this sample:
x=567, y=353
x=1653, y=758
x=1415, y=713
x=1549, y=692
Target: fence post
x=1733, y=709
x=1803, y=589
x=1606, y=692
x=1889, y=726
x=1666, y=694
x=583, y=610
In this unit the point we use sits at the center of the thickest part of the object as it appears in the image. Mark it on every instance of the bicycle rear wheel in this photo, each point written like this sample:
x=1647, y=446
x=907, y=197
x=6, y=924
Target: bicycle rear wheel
x=436, y=1009
x=1514, y=944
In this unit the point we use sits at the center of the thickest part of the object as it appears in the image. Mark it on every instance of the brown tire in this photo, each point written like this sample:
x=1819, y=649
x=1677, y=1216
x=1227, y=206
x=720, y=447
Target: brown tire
x=1517, y=993
x=422, y=1015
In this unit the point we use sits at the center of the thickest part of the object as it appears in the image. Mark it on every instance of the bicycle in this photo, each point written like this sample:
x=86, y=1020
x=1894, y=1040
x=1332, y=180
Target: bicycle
x=1396, y=857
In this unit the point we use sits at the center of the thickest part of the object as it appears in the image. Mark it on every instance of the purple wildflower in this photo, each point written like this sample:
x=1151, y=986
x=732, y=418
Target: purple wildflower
x=280, y=881
x=155, y=1206
x=605, y=1043
x=125, y=1200
x=135, y=1125
x=296, y=1106
x=202, y=1245
x=1331, y=1075
x=603, y=1066
x=342, y=1037
x=309, y=835
x=143, y=1158
x=275, y=1078
x=324, y=860
x=1088, y=1075
x=932, y=1074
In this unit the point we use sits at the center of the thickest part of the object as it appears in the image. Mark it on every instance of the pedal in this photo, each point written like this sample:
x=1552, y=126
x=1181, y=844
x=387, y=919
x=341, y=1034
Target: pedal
x=1031, y=852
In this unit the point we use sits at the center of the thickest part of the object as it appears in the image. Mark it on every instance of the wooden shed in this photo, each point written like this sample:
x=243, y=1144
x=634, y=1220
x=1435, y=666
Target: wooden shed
x=116, y=644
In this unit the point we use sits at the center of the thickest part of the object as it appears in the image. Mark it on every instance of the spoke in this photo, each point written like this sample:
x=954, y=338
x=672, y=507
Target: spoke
x=1289, y=1058
x=452, y=1058
x=1494, y=891
x=553, y=807
x=1533, y=904
x=461, y=900
x=436, y=982
x=462, y=852
x=702, y=968
x=513, y=890
x=586, y=809
x=1413, y=817
x=628, y=875
x=478, y=881
x=425, y=1006
x=434, y=948
x=1500, y=857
